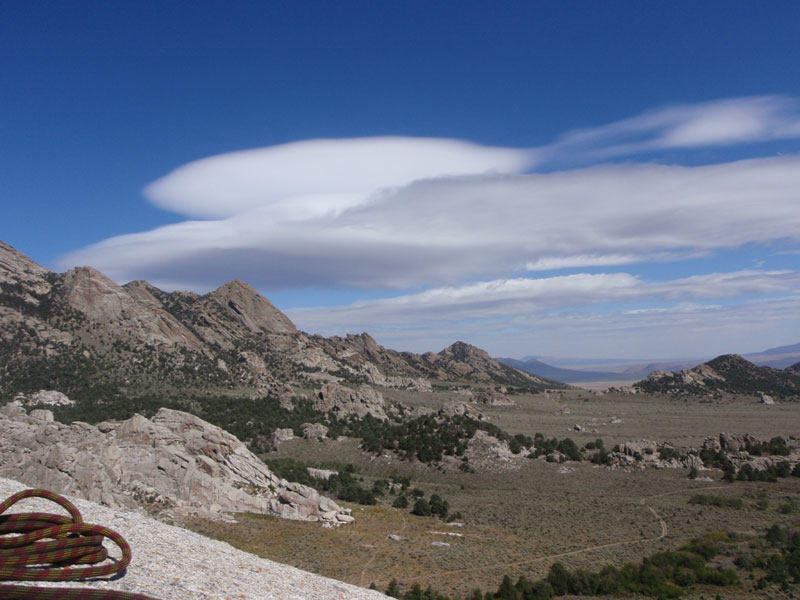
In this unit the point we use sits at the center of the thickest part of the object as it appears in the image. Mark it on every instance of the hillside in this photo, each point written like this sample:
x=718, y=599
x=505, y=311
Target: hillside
x=85, y=335
x=729, y=373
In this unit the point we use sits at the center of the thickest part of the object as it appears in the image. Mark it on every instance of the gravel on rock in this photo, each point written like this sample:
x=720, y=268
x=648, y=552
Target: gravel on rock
x=171, y=563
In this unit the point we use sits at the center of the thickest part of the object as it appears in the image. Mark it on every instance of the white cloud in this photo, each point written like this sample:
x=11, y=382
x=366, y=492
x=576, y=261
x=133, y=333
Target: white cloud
x=689, y=327
x=411, y=213
x=444, y=231
x=512, y=298
x=315, y=178
x=719, y=122
x=551, y=263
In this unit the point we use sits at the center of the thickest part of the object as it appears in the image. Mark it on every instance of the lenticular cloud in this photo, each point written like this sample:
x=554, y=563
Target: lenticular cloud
x=319, y=177
x=414, y=213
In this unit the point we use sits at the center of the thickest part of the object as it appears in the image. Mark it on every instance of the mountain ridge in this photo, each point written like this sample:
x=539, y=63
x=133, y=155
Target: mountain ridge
x=79, y=331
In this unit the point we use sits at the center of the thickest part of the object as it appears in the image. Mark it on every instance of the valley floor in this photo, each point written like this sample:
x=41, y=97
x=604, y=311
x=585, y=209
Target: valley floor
x=520, y=517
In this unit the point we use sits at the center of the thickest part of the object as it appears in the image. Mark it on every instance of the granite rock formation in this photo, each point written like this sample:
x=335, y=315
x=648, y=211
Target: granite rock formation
x=174, y=463
x=729, y=373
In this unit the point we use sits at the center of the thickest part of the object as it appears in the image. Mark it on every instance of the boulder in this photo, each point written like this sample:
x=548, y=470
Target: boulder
x=314, y=431
x=282, y=435
x=174, y=463
x=322, y=474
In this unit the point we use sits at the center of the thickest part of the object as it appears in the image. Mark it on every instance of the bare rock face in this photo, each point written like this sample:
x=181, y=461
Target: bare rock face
x=251, y=308
x=133, y=310
x=174, y=463
x=345, y=401
x=16, y=268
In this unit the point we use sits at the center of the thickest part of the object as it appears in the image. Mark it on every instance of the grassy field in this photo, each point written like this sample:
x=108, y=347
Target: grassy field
x=522, y=516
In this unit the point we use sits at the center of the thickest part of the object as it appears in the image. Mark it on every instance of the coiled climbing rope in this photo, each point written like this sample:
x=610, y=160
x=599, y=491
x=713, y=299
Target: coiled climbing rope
x=44, y=547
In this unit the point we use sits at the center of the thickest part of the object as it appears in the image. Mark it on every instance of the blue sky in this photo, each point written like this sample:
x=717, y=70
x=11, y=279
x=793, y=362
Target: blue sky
x=555, y=178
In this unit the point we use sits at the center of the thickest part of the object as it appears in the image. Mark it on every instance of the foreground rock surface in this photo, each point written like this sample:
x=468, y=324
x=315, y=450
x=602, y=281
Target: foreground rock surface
x=171, y=563
x=174, y=463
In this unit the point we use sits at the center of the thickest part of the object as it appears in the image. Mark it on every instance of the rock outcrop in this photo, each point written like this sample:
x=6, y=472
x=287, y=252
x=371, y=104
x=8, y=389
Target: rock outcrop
x=345, y=401
x=736, y=442
x=174, y=463
x=453, y=408
x=139, y=314
x=257, y=313
x=46, y=398
x=493, y=399
x=486, y=452
x=314, y=431
x=745, y=449
x=729, y=373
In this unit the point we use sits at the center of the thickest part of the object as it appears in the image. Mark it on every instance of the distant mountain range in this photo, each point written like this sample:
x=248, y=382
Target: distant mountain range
x=578, y=370
x=537, y=367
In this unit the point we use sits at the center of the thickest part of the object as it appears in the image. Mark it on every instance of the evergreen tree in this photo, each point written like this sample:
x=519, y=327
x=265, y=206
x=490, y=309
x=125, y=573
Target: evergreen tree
x=421, y=508
x=558, y=577
x=400, y=502
x=507, y=590
x=394, y=589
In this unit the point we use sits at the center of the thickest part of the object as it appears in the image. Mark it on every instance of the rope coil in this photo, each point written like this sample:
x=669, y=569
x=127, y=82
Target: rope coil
x=44, y=547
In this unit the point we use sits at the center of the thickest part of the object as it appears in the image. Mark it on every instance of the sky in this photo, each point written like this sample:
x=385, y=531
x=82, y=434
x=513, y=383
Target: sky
x=578, y=179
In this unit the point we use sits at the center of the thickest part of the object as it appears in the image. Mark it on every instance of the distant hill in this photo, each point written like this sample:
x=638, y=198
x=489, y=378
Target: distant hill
x=728, y=373
x=575, y=370
x=779, y=357
x=791, y=348
x=537, y=367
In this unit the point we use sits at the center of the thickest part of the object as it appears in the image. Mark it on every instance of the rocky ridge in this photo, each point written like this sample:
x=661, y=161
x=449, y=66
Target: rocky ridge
x=175, y=464
x=78, y=330
x=729, y=373
x=739, y=449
